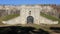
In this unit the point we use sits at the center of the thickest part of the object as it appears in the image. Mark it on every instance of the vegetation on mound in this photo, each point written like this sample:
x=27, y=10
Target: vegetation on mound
x=50, y=17
x=8, y=17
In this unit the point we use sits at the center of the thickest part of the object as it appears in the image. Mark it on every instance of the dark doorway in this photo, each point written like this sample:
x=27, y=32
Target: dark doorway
x=59, y=15
x=30, y=19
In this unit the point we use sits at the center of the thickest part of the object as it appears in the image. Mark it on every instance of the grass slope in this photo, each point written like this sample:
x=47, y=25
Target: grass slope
x=8, y=17
x=50, y=17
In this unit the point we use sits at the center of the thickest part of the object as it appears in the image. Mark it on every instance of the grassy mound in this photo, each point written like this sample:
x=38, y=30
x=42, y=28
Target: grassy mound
x=8, y=17
x=49, y=17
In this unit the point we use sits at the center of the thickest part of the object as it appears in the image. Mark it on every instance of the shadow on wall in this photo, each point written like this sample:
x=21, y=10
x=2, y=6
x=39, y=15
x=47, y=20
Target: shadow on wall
x=21, y=30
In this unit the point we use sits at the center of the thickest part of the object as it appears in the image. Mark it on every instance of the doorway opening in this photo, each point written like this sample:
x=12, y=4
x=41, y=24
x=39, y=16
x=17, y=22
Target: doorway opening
x=30, y=20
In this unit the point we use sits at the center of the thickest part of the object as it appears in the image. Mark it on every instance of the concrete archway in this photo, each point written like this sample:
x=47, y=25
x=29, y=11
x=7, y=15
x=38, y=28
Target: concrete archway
x=30, y=19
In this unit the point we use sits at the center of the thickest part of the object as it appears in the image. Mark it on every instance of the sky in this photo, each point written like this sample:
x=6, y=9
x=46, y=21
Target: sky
x=18, y=2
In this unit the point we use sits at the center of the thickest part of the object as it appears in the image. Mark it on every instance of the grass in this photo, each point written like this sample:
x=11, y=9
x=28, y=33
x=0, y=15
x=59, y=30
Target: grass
x=36, y=26
x=49, y=17
x=8, y=17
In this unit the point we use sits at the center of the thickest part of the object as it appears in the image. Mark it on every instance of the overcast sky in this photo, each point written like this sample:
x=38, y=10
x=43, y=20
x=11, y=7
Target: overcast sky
x=18, y=2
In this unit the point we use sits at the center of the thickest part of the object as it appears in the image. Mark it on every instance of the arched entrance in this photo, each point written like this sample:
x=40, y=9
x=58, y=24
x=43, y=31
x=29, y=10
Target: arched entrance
x=30, y=19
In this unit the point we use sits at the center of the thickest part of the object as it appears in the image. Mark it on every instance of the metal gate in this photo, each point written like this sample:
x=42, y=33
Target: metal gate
x=30, y=19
